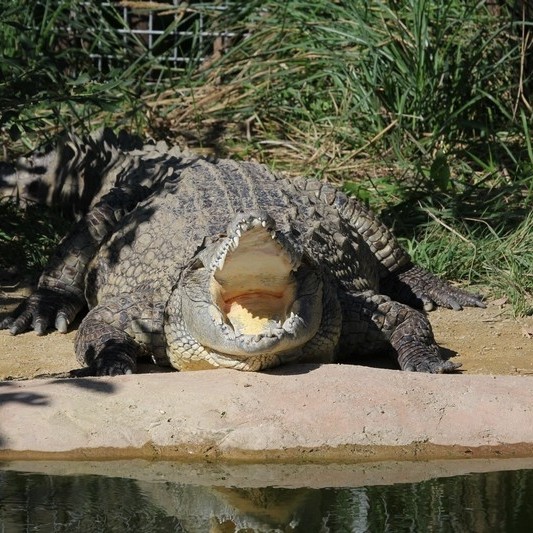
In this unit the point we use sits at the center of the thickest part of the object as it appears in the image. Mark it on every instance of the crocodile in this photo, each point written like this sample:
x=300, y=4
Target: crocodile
x=203, y=263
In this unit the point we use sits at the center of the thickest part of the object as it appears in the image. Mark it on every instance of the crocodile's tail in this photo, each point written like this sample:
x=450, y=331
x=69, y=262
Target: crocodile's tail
x=71, y=175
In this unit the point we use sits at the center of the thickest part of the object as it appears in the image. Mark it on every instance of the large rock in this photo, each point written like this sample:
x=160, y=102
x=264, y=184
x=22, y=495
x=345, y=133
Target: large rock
x=299, y=413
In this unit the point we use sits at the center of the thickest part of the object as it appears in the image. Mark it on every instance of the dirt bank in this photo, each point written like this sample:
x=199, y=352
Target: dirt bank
x=301, y=413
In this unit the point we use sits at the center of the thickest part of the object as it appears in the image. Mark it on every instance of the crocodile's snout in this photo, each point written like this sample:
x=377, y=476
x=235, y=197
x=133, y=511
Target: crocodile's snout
x=253, y=283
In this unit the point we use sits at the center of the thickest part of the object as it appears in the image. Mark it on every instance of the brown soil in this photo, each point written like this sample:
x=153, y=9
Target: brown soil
x=485, y=341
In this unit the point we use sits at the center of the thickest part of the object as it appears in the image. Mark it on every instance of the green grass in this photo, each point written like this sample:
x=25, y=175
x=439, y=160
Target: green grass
x=418, y=107
x=342, y=81
x=499, y=262
x=49, y=81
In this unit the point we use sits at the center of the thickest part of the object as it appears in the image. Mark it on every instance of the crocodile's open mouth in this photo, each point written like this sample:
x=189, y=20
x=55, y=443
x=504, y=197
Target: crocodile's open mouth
x=251, y=293
x=255, y=287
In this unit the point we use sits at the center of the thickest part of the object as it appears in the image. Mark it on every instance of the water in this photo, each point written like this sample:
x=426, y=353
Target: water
x=500, y=501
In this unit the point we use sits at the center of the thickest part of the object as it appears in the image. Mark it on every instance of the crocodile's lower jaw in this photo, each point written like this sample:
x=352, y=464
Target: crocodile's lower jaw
x=258, y=300
x=255, y=310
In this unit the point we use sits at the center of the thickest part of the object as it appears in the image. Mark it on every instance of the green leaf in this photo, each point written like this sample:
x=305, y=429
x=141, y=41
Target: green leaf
x=82, y=79
x=355, y=189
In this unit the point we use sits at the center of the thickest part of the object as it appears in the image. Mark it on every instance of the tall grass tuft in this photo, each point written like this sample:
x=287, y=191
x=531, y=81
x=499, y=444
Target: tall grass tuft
x=430, y=89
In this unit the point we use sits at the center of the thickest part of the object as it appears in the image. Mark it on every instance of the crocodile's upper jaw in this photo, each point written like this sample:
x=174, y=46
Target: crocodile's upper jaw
x=251, y=295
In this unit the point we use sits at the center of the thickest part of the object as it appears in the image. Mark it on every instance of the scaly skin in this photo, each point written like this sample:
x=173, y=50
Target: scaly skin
x=204, y=264
x=73, y=175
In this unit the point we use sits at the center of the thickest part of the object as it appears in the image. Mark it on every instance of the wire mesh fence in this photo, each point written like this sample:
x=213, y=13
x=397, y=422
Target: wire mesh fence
x=173, y=32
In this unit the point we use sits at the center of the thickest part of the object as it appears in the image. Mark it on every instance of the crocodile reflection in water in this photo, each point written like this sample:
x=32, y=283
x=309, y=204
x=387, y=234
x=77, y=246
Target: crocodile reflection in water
x=495, y=501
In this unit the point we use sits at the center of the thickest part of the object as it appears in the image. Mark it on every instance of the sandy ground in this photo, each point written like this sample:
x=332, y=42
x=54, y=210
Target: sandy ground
x=484, y=341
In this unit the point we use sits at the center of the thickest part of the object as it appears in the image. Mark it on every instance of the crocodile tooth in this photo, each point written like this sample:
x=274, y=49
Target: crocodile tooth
x=220, y=261
x=276, y=330
x=291, y=323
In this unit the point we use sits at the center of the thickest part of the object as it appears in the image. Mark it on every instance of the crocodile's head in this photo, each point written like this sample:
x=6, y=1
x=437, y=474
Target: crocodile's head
x=250, y=296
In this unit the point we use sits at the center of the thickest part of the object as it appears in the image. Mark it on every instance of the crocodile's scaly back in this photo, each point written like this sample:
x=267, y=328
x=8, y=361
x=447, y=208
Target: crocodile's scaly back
x=192, y=204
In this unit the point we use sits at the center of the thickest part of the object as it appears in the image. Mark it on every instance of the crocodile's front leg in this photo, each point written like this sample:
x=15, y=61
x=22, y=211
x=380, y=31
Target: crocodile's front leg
x=118, y=331
x=60, y=293
x=370, y=319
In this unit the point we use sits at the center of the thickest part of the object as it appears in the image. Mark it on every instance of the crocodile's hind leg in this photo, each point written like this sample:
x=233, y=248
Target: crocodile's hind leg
x=370, y=320
x=118, y=331
x=419, y=288
x=399, y=277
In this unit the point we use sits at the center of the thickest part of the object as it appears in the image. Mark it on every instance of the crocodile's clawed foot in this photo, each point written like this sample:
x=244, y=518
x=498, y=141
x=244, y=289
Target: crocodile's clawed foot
x=42, y=309
x=419, y=288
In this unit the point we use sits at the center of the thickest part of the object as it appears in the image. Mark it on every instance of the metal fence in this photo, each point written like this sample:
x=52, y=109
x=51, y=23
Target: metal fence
x=174, y=32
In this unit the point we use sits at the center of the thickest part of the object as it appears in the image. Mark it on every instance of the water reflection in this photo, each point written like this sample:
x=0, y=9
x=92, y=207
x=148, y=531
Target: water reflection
x=491, y=502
